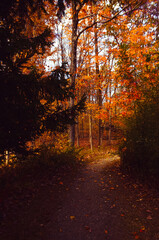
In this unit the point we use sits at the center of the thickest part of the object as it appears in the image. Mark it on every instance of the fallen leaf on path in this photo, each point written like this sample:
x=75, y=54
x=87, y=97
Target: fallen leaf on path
x=134, y=206
x=142, y=229
x=81, y=179
x=149, y=211
x=61, y=183
x=139, y=200
x=106, y=231
x=113, y=206
x=136, y=236
x=88, y=228
x=149, y=217
x=72, y=217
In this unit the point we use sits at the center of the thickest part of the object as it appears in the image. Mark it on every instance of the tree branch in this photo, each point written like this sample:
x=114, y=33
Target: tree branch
x=110, y=19
x=88, y=16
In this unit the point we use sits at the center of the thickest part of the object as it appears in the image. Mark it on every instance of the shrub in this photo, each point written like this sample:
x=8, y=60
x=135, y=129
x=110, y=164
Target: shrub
x=52, y=149
x=139, y=149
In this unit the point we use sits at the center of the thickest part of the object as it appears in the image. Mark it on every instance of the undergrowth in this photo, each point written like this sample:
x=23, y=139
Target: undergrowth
x=139, y=150
x=43, y=163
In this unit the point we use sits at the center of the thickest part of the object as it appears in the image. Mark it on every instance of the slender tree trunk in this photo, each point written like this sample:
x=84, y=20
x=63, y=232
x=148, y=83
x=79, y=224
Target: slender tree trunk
x=73, y=63
x=90, y=131
x=115, y=109
x=77, y=132
x=109, y=133
x=62, y=46
x=82, y=129
x=99, y=93
x=90, y=119
x=157, y=22
x=6, y=157
x=110, y=120
x=77, y=124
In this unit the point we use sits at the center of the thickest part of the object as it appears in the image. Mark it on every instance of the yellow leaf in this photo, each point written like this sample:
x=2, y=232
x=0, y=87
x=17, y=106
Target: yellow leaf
x=72, y=217
x=142, y=229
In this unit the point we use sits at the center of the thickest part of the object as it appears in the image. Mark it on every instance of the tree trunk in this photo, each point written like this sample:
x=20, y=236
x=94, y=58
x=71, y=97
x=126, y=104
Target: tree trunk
x=82, y=129
x=90, y=131
x=62, y=46
x=77, y=132
x=110, y=113
x=73, y=63
x=90, y=119
x=99, y=93
x=157, y=22
x=6, y=157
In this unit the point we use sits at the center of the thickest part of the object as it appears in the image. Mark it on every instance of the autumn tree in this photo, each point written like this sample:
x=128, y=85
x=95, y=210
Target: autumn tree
x=28, y=106
x=77, y=20
x=20, y=103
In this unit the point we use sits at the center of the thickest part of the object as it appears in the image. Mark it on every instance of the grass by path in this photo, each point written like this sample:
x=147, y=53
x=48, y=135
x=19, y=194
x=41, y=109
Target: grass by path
x=98, y=202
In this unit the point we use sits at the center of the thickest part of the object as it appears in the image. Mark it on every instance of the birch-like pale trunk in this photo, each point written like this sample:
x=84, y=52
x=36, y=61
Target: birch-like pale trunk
x=6, y=157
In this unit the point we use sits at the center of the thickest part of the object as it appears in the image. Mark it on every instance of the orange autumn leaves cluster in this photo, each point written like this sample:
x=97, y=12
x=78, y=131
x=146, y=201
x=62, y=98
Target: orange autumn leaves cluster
x=132, y=48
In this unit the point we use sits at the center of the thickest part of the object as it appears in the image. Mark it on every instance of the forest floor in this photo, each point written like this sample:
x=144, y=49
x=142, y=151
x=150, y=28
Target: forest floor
x=96, y=202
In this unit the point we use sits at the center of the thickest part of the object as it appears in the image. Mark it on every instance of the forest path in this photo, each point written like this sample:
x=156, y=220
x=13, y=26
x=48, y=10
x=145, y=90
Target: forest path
x=99, y=203
x=102, y=204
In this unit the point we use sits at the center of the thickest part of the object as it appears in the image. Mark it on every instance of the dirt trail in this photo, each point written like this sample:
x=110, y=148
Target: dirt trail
x=100, y=203
x=87, y=211
x=103, y=204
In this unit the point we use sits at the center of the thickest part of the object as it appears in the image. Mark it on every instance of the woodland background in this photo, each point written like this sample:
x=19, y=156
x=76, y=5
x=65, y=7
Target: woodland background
x=87, y=66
